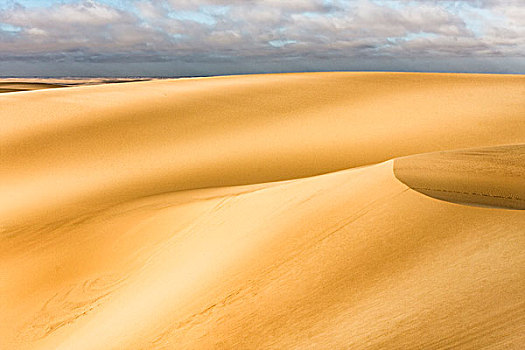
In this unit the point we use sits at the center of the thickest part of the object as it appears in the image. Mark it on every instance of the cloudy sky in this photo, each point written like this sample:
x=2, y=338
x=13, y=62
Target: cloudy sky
x=205, y=37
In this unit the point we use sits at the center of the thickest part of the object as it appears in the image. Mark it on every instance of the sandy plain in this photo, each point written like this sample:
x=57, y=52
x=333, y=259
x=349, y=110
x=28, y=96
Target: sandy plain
x=285, y=211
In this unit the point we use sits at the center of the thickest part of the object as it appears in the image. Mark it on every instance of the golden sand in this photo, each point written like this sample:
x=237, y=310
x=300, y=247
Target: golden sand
x=492, y=176
x=143, y=215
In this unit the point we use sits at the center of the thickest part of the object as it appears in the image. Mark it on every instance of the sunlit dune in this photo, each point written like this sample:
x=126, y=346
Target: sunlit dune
x=284, y=211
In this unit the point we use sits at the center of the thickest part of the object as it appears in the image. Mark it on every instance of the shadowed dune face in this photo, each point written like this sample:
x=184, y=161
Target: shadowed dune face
x=119, y=228
x=493, y=176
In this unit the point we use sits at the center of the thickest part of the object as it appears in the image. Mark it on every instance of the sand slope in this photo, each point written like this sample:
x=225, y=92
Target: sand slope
x=491, y=176
x=107, y=243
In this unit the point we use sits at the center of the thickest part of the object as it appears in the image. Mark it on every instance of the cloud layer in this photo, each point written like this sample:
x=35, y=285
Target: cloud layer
x=200, y=32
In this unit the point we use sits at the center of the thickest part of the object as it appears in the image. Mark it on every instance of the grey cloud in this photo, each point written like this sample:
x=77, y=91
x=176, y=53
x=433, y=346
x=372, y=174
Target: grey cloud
x=214, y=31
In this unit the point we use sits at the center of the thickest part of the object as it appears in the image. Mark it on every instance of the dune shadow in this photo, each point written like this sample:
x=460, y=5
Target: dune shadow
x=492, y=177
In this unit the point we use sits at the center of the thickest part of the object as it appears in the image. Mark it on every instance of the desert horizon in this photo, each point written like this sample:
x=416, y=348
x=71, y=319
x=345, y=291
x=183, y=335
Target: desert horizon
x=263, y=174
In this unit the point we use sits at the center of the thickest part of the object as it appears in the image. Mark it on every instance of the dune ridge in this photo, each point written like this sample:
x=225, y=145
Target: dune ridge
x=262, y=212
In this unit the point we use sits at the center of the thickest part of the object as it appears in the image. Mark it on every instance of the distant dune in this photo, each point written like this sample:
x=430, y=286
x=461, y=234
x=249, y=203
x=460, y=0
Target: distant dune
x=284, y=211
x=30, y=84
x=25, y=86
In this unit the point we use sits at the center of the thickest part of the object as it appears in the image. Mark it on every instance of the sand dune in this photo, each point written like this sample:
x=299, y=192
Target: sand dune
x=111, y=143
x=143, y=215
x=492, y=176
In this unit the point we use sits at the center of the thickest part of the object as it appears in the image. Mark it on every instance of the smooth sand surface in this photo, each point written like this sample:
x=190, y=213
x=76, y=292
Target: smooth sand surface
x=493, y=176
x=143, y=215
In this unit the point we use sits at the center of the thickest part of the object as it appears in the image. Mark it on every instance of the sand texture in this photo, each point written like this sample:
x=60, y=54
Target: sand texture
x=286, y=211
